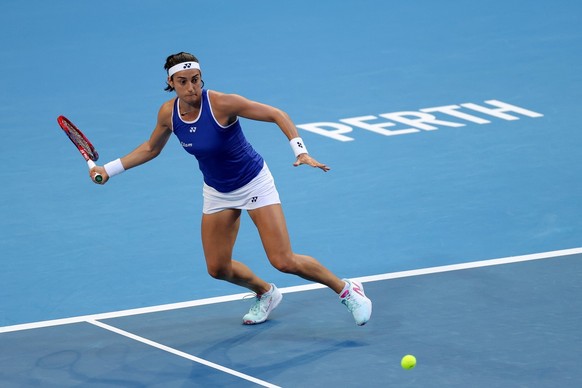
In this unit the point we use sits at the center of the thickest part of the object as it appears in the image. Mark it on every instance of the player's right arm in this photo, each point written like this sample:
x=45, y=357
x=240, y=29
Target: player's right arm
x=149, y=149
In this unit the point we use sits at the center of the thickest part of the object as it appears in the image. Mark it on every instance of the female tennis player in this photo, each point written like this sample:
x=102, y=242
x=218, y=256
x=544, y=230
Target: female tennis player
x=236, y=178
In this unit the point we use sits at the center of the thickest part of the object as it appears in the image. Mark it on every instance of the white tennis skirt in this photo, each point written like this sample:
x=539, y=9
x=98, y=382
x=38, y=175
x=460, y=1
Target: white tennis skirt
x=259, y=192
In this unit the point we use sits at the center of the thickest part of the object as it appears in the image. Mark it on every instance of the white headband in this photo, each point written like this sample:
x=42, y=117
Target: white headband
x=183, y=66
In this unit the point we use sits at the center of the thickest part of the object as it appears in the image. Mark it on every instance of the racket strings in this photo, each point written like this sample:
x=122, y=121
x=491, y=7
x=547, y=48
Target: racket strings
x=80, y=141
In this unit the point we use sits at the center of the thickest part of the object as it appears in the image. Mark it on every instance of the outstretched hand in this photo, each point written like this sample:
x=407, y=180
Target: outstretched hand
x=308, y=160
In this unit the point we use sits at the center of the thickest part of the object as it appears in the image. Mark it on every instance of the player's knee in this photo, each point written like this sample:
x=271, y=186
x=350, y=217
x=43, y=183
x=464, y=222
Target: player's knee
x=285, y=263
x=219, y=272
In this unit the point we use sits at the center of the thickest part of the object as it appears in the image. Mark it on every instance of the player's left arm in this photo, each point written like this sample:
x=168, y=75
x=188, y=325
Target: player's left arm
x=231, y=106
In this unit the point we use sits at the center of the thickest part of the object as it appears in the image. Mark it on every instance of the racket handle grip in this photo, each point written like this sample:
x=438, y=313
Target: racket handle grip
x=97, y=177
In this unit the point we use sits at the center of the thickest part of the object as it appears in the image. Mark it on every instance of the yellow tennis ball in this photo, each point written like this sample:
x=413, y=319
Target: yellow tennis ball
x=408, y=361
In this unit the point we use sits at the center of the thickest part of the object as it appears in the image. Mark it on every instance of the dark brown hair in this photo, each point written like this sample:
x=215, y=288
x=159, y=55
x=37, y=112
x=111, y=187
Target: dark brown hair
x=173, y=60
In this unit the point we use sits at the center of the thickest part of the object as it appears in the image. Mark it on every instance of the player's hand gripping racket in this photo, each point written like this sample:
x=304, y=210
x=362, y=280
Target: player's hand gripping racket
x=83, y=144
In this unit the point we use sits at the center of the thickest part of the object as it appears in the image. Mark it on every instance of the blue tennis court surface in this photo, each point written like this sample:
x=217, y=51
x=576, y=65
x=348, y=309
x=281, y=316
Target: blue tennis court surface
x=451, y=130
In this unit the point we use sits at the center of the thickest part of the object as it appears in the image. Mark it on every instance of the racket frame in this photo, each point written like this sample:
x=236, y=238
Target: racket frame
x=66, y=125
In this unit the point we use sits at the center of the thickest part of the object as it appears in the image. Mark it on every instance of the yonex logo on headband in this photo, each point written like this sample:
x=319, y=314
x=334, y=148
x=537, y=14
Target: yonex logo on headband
x=183, y=66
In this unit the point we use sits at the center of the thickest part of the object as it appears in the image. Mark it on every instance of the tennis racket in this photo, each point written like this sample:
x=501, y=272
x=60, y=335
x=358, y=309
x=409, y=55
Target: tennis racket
x=83, y=144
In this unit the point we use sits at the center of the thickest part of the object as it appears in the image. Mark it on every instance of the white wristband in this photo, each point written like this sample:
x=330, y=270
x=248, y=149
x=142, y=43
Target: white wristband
x=114, y=168
x=298, y=146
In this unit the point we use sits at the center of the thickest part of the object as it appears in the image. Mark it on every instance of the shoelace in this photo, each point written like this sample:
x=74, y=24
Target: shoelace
x=256, y=307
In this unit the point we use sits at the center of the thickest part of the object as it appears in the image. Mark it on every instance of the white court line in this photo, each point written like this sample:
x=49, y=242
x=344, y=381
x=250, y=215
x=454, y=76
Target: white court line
x=474, y=264
x=181, y=354
x=307, y=287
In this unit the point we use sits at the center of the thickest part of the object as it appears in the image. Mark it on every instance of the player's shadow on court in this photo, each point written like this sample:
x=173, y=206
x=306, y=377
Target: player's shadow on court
x=269, y=349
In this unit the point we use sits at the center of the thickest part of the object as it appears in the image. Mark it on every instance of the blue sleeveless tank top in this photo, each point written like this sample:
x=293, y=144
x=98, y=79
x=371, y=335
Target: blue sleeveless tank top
x=225, y=157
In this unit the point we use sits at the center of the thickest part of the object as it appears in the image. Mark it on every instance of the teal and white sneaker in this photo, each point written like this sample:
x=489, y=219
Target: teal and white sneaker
x=353, y=297
x=263, y=306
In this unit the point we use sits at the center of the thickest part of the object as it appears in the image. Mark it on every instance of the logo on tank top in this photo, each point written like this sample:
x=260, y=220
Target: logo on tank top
x=192, y=129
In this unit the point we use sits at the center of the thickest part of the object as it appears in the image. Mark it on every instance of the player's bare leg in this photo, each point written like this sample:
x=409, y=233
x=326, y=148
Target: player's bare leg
x=219, y=231
x=272, y=227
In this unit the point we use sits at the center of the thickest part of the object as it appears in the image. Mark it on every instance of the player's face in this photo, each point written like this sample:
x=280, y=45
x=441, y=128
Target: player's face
x=188, y=85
